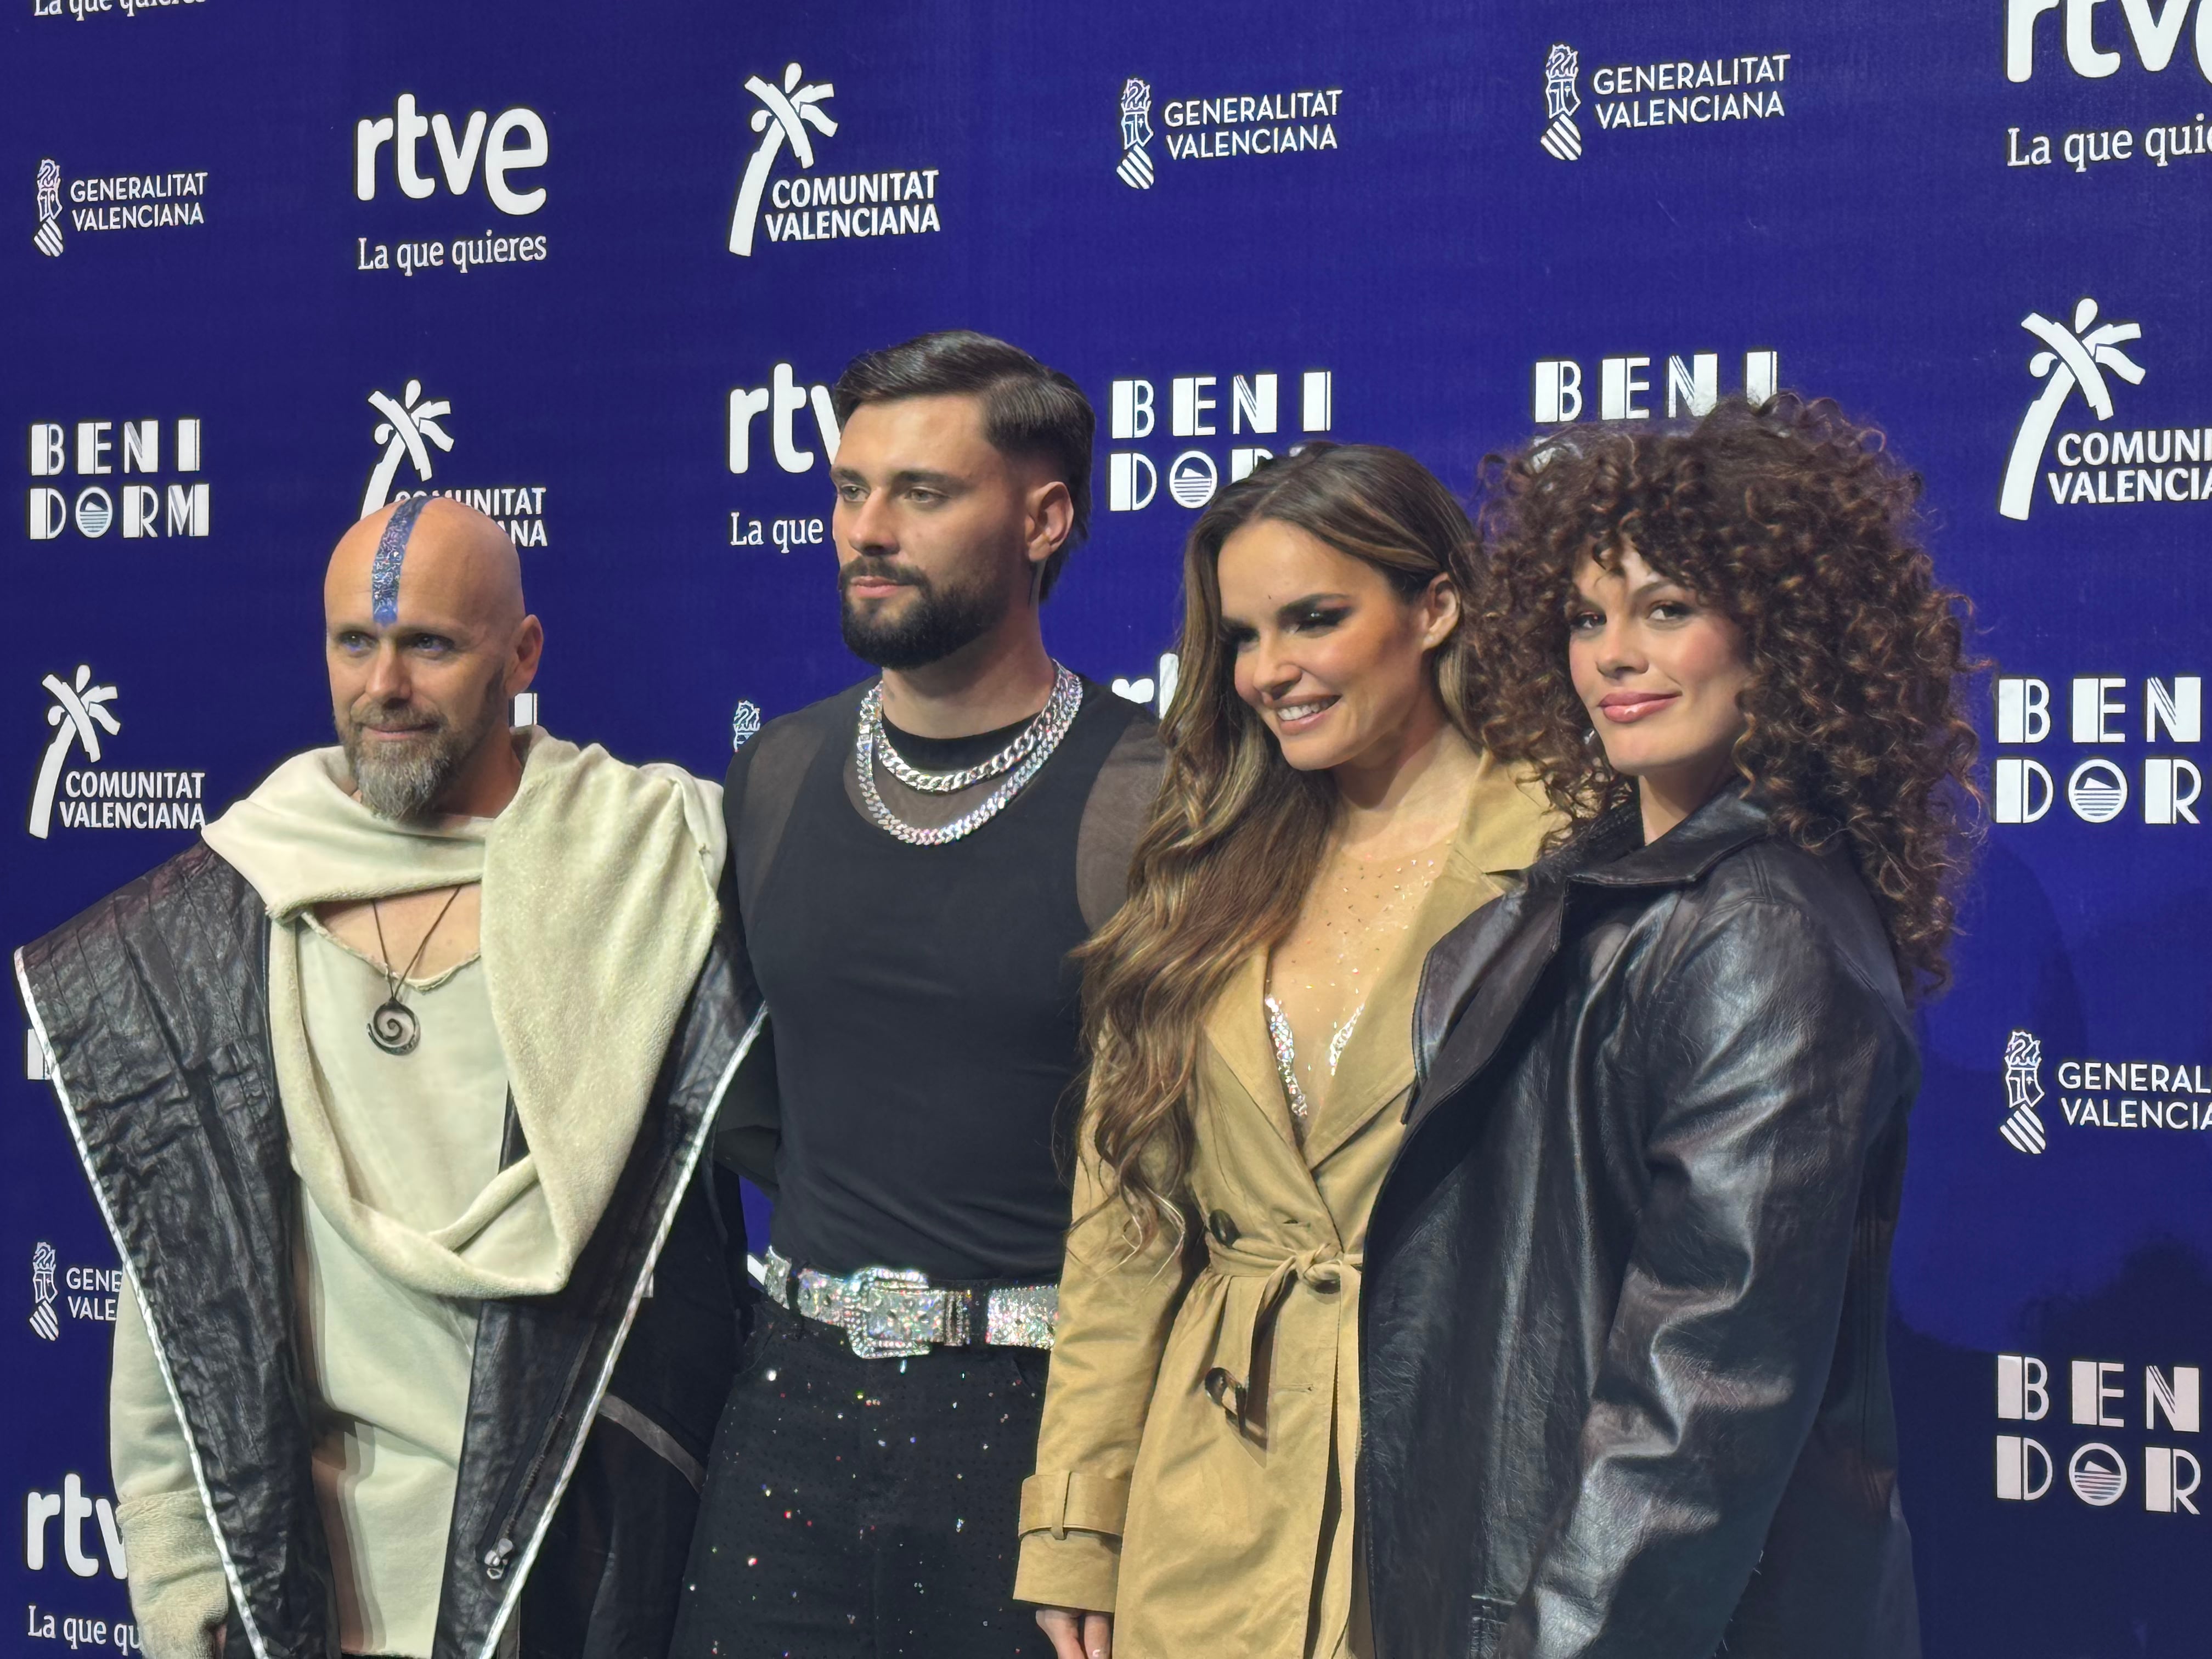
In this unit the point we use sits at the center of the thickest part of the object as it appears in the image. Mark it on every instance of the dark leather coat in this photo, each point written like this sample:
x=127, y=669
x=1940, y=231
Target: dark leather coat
x=1624, y=1391
x=590, y=1410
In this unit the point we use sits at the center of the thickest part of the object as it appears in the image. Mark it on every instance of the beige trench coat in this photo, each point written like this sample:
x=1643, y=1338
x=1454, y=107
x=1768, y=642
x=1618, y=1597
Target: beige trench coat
x=1196, y=1466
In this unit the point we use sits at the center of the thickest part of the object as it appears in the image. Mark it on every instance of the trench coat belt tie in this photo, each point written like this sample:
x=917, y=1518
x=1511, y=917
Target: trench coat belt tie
x=1326, y=1268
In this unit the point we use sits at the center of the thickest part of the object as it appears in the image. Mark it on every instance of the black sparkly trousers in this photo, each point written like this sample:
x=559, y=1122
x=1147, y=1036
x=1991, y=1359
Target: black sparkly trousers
x=864, y=1508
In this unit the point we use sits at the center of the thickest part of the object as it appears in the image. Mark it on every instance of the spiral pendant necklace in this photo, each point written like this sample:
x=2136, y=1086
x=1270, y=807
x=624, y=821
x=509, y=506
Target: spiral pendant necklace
x=393, y=1027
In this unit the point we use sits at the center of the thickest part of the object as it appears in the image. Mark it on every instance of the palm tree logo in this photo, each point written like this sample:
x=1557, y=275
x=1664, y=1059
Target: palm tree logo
x=2076, y=357
x=408, y=429
x=79, y=715
x=786, y=113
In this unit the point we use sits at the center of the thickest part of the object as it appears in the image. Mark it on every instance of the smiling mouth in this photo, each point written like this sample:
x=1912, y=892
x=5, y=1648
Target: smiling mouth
x=1624, y=707
x=1300, y=716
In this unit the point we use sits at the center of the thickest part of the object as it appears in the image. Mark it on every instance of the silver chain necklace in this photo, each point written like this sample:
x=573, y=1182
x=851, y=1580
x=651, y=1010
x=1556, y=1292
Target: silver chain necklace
x=1021, y=759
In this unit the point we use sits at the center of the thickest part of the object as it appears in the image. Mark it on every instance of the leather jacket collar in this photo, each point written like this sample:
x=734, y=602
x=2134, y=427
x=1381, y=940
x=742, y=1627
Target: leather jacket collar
x=1610, y=855
x=1487, y=965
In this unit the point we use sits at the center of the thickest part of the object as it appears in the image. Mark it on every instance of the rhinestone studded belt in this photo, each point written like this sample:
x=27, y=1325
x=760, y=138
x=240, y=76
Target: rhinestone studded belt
x=892, y=1313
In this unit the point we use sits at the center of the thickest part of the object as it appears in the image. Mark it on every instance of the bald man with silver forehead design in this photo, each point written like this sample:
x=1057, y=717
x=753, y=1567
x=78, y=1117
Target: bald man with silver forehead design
x=393, y=1091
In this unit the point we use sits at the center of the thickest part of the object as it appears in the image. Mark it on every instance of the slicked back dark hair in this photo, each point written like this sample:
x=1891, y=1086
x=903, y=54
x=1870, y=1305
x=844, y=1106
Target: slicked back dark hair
x=1030, y=411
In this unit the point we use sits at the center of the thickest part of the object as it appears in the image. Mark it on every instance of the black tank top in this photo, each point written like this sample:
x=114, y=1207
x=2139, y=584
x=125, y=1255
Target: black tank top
x=926, y=1018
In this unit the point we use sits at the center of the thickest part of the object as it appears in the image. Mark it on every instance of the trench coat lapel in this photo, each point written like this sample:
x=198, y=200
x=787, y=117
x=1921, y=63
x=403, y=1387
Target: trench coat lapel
x=1493, y=839
x=1236, y=1027
x=1377, y=1065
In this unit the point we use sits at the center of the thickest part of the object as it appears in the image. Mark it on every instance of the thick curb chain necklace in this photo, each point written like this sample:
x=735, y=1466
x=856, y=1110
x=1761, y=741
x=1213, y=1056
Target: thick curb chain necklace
x=1022, y=758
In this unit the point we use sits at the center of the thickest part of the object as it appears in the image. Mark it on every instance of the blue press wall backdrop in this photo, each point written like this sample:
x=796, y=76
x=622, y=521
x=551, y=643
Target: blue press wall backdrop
x=591, y=267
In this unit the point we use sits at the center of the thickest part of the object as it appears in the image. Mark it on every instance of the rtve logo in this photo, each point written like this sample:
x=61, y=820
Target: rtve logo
x=115, y=448
x=2098, y=714
x=2097, y=1473
x=1195, y=408
x=782, y=400
x=2152, y=34
x=516, y=143
x=72, y=1509
x=1693, y=385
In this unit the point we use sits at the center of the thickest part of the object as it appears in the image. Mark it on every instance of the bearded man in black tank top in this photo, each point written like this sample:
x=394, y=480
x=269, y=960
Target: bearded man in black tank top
x=912, y=861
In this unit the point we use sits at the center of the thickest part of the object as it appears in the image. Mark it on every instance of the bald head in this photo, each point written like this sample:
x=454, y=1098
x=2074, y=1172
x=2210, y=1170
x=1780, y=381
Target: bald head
x=428, y=639
x=451, y=562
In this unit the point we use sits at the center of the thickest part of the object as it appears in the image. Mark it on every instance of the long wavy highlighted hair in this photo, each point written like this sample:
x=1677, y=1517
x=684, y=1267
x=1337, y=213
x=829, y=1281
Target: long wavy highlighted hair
x=1238, y=834
x=1798, y=524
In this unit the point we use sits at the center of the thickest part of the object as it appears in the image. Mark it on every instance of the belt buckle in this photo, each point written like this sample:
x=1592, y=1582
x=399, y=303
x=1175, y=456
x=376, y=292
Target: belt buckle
x=891, y=1313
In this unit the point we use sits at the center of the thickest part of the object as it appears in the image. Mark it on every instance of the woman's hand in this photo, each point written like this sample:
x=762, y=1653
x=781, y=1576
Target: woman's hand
x=1077, y=1634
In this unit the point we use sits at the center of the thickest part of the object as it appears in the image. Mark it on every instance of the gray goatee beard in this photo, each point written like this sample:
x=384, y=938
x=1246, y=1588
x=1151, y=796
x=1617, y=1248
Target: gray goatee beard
x=406, y=787
x=403, y=787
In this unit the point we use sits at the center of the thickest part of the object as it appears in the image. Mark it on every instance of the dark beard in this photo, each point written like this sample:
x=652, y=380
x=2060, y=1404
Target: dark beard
x=936, y=624
x=405, y=788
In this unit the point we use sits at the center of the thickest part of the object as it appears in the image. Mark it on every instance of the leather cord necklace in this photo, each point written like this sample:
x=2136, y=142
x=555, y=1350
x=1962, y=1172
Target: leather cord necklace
x=393, y=1027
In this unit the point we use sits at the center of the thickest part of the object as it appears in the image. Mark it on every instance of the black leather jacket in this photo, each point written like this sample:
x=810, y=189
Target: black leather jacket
x=590, y=1410
x=1625, y=1389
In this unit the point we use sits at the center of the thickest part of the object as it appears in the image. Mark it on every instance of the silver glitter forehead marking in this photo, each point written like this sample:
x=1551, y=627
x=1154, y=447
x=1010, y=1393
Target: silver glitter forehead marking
x=391, y=554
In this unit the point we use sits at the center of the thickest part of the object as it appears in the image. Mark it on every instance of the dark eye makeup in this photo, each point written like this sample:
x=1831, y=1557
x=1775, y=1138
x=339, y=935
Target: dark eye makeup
x=1307, y=615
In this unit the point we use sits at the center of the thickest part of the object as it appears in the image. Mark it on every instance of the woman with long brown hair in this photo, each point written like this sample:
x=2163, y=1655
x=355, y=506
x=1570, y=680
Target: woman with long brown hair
x=1626, y=1392
x=1327, y=815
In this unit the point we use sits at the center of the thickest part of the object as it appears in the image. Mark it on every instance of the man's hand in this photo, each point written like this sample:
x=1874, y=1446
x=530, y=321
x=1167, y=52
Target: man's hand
x=1077, y=1634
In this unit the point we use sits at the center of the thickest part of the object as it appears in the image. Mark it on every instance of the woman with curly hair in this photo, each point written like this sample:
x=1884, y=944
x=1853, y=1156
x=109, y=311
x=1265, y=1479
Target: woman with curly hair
x=1625, y=1386
x=1327, y=815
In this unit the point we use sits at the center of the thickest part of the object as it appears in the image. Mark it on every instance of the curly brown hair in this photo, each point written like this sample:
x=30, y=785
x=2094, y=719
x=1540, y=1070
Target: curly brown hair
x=1796, y=523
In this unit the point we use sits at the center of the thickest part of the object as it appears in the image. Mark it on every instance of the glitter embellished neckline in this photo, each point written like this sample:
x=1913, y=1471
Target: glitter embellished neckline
x=1286, y=1056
